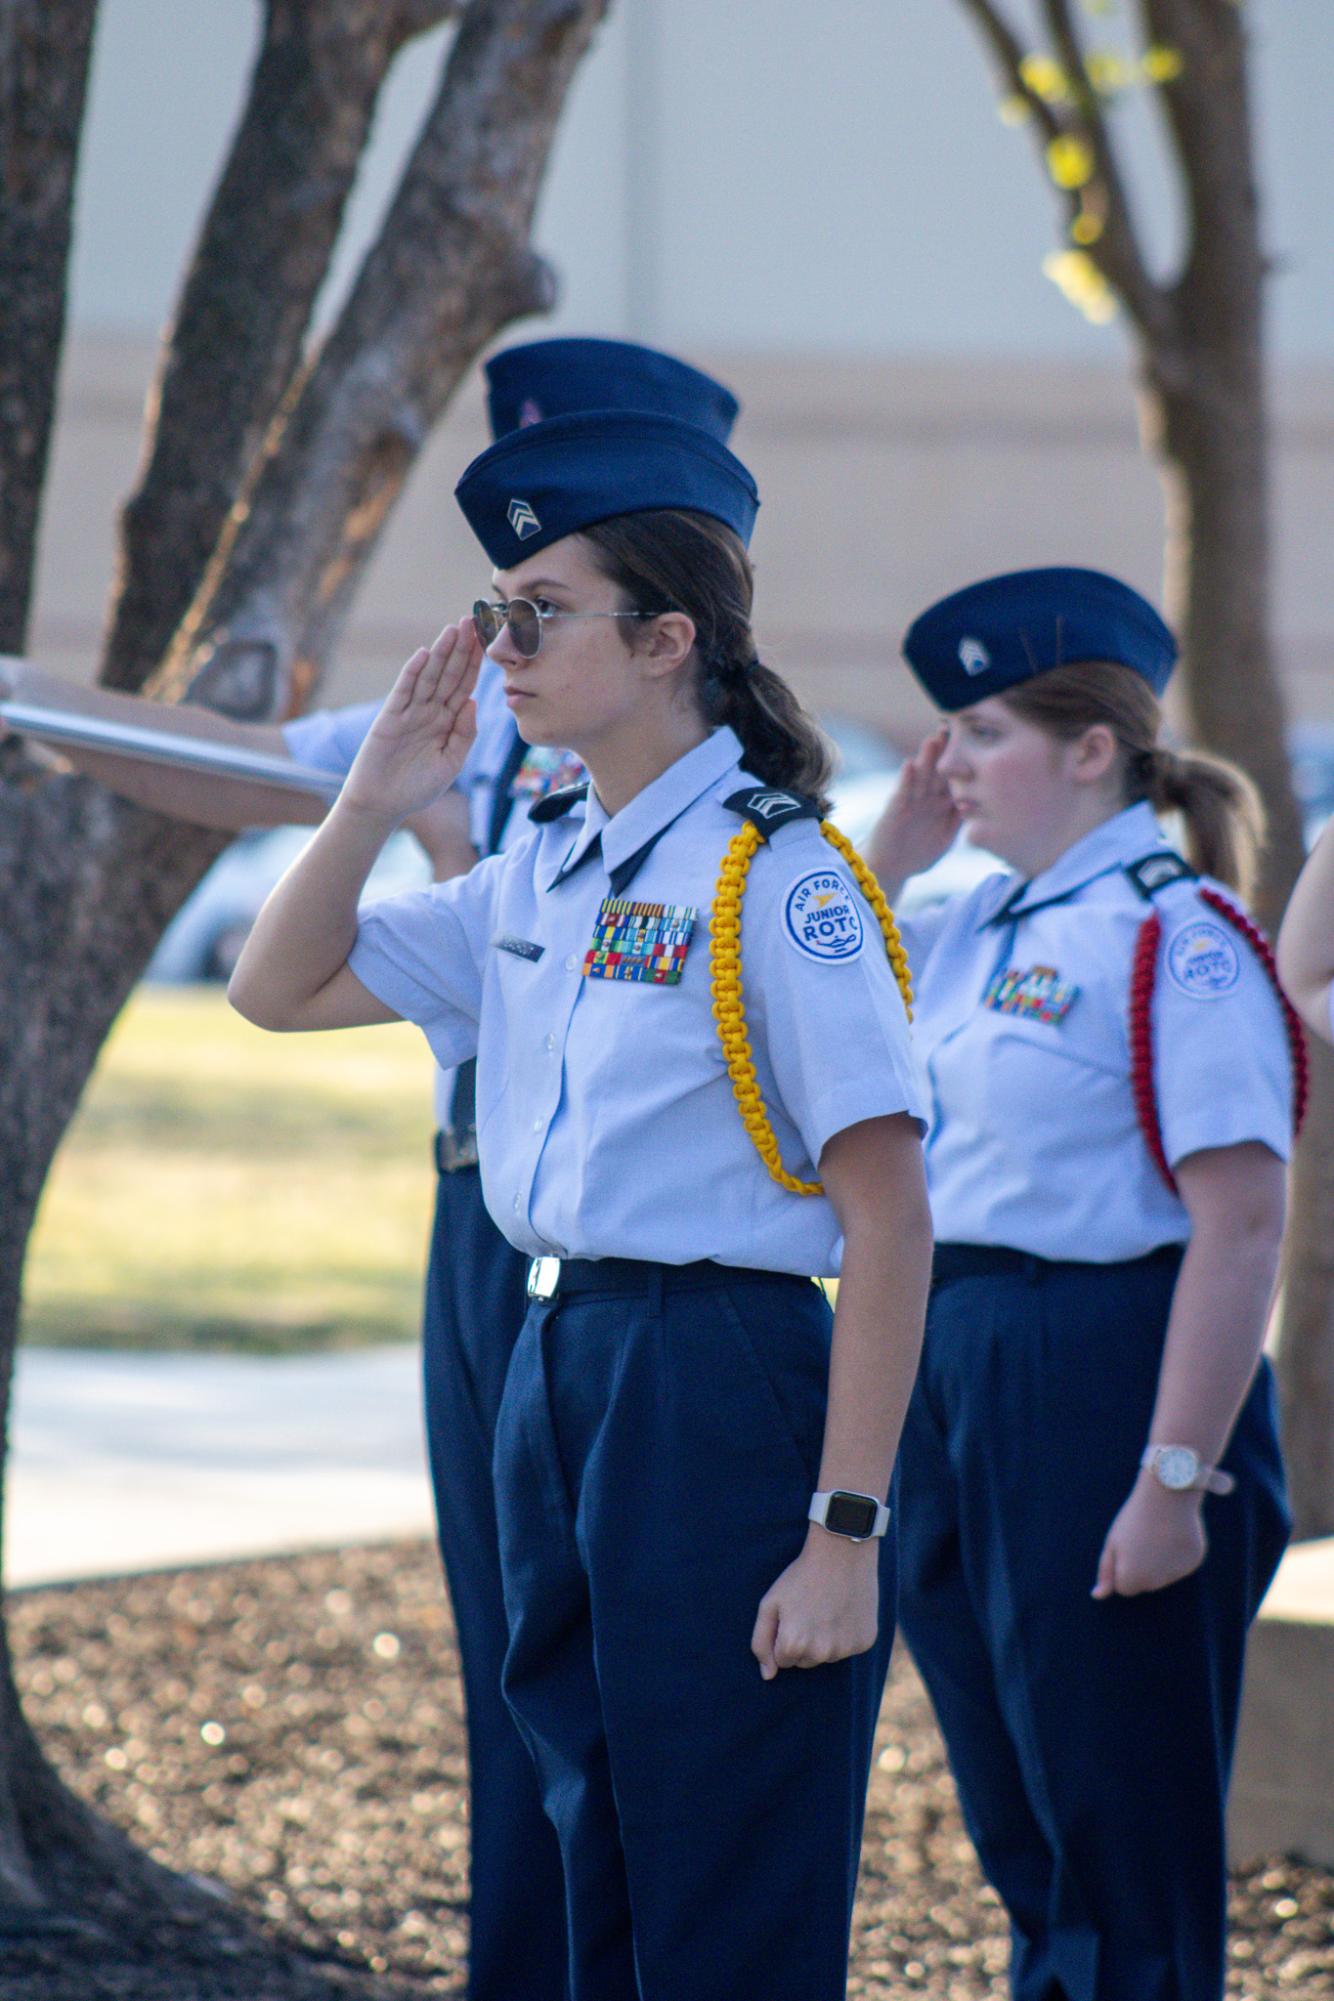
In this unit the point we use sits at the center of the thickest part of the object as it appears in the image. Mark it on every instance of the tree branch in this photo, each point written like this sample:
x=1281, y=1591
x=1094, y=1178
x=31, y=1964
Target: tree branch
x=1116, y=252
x=45, y=47
x=1207, y=112
x=262, y=254
x=451, y=267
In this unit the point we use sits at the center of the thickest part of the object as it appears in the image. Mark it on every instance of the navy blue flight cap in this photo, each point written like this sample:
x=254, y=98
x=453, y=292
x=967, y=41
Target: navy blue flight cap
x=553, y=478
x=553, y=378
x=1004, y=630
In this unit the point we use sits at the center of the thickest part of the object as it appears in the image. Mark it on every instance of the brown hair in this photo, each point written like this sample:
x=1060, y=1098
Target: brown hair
x=674, y=560
x=1219, y=806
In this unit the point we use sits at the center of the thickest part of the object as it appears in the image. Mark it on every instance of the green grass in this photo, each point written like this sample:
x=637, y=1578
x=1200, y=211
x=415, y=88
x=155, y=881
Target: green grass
x=226, y=1189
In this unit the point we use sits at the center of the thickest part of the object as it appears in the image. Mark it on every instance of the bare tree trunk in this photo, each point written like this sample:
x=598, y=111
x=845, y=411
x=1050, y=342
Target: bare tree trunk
x=263, y=496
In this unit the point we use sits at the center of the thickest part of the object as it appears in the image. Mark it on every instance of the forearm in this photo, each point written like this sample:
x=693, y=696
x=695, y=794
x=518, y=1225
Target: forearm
x=302, y=937
x=1306, y=939
x=877, y=1323
x=199, y=797
x=1215, y=1333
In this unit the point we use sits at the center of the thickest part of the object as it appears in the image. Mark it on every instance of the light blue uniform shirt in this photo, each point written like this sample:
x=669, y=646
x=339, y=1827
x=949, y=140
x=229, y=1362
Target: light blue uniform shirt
x=1034, y=1140
x=329, y=739
x=605, y=1114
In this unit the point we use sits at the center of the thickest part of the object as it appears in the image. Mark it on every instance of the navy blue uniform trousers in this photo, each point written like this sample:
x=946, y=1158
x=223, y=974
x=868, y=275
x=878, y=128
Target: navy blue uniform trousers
x=1091, y=1741
x=475, y=1304
x=655, y=1457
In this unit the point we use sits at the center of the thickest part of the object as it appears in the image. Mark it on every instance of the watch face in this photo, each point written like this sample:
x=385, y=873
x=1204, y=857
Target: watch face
x=850, y=1514
x=1177, y=1466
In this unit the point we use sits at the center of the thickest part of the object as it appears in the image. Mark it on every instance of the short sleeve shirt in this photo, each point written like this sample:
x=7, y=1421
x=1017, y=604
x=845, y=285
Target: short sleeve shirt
x=1023, y=1021
x=606, y=1120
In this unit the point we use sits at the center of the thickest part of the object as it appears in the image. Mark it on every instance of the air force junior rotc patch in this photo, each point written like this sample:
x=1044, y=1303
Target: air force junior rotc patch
x=822, y=919
x=640, y=941
x=1203, y=961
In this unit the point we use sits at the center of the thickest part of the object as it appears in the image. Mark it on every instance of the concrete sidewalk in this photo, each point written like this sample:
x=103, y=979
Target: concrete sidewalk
x=132, y=1462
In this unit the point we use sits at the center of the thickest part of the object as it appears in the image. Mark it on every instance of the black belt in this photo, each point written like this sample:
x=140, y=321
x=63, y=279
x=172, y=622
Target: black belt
x=951, y=1261
x=454, y=1150
x=548, y=1277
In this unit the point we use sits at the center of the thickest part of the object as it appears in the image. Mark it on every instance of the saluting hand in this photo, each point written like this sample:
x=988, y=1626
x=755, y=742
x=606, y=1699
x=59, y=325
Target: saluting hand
x=920, y=821
x=1157, y=1539
x=417, y=743
x=824, y=1607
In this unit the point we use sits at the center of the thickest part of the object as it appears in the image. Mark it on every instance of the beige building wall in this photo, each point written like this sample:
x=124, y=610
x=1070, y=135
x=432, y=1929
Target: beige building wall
x=885, y=482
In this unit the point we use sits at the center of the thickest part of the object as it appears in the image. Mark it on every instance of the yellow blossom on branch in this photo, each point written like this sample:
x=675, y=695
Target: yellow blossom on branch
x=1070, y=161
x=1078, y=278
x=1161, y=64
x=1086, y=227
x=1108, y=72
x=1045, y=78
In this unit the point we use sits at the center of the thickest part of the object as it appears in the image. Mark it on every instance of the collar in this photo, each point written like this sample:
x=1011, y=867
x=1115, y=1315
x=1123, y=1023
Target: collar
x=628, y=836
x=1128, y=835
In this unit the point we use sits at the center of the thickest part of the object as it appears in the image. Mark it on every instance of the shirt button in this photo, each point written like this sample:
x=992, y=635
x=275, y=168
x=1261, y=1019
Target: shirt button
x=538, y=1125
x=516, y=1205
x=549, y=1045
x=572, y=963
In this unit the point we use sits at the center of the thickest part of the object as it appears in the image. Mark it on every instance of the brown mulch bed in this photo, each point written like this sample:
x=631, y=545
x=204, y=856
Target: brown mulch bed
x=292, y=1730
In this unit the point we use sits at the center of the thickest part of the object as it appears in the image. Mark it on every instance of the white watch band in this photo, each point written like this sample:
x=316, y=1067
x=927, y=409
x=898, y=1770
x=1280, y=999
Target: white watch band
x=1180, y=1469
x=820, y=1507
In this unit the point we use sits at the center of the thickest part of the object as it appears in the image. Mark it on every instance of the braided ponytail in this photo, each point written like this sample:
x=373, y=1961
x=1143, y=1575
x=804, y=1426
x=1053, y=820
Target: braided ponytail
x=1220, y=809
x=675, y=560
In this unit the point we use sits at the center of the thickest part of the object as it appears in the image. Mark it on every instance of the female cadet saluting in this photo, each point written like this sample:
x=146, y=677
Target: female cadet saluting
x=1110, y=1065
x=673, y=1398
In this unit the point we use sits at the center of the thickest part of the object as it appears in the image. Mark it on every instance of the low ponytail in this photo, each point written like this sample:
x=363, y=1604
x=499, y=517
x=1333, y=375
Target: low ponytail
x=675, y=560
x=1220, y=809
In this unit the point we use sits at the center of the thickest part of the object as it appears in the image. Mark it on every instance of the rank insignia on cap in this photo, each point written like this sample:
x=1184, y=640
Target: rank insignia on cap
x=522, y=519
x=646, y=942
x=1038, y=995
x=973, y=656
x=530, y=412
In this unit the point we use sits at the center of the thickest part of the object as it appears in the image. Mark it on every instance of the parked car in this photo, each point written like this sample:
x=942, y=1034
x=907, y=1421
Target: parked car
x=204, y=939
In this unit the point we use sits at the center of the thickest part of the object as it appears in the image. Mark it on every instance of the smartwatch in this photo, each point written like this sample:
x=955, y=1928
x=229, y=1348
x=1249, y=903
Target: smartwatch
x=1180, y=1470
x=859, y=1517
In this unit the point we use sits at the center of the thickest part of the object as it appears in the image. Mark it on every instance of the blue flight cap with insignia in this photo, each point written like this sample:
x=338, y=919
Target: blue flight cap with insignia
x=995, y=634
x=554, y=378
x=549, y=480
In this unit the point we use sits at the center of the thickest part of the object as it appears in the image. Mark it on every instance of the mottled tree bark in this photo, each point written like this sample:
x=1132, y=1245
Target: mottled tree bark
x=268, y=476
x=1199, y=341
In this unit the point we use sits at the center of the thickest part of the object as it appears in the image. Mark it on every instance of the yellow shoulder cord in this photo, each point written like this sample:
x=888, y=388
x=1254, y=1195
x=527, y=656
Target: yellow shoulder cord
x=728, y=1007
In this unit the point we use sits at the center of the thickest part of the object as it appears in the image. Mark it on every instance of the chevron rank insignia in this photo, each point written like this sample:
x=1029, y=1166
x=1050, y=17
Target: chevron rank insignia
x=522, y=518
x=1153, y=872
x=1038, y=995
x=647, y=942
x=767, y=807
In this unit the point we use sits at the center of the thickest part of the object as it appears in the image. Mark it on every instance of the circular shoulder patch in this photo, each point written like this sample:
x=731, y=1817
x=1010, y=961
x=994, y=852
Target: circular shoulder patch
x=1203, y=961
x=822, y=919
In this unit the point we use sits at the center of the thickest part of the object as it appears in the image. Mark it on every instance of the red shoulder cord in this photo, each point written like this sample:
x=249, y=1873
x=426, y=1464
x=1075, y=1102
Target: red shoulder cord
x=1142, y=980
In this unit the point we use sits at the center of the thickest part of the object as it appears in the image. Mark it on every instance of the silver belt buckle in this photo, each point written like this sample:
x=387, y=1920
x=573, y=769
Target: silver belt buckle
x=544, y=1278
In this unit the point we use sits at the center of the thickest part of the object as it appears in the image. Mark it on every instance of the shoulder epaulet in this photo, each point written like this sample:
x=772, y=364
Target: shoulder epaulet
x=557, y=804
x=767, y=807
x=1154, y=872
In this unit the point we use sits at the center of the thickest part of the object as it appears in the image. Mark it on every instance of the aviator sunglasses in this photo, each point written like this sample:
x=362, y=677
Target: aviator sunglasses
x=525, y=621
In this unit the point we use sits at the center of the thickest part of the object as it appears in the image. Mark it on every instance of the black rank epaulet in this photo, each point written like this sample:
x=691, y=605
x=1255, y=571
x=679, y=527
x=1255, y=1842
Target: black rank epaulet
x=557, y=804
x=1154, y=872
x=768, y=807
